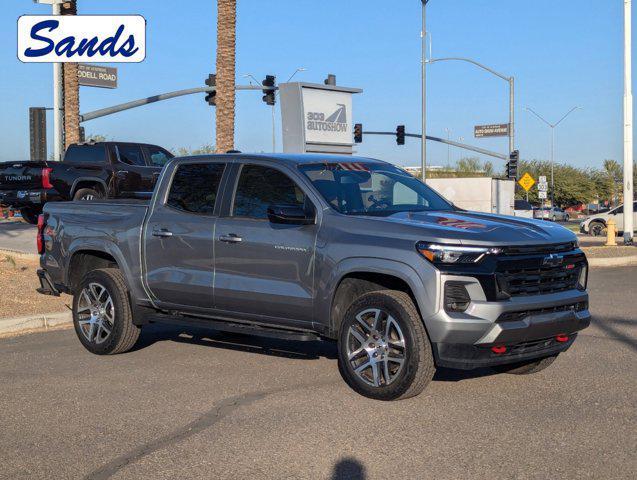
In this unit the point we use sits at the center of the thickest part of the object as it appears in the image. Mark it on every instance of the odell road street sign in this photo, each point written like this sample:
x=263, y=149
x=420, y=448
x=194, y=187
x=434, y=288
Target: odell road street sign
x=81, y=38
x=526, y=182
x=499, y=130
x=97, y=76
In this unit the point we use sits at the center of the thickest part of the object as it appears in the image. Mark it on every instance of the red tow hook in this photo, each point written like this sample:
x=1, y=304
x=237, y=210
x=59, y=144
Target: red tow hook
x=562, y=337
x=499, y=349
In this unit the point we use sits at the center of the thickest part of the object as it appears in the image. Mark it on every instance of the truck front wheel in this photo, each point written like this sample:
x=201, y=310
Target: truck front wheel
x=383, y=348
x=102, y=313
x=526, y=368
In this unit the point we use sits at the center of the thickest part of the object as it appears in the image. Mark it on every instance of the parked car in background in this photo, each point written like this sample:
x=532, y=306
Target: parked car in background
x=554, y=214
x=522, y=208
x=88, y=171
x=596, y=224
x=302, y=247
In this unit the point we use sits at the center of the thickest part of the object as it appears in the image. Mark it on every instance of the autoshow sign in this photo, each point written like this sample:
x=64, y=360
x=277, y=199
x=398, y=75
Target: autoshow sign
x=81, y=38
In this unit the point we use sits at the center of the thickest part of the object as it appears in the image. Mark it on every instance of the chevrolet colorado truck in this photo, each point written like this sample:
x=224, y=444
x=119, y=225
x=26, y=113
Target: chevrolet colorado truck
x=311, y=247
x=88, y=171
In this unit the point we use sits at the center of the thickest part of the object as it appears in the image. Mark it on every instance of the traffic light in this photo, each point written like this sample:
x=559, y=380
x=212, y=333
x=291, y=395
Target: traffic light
x=211, y=97
x=400, y=135
x=269, y=95
x=358, y=133
x=512, y=166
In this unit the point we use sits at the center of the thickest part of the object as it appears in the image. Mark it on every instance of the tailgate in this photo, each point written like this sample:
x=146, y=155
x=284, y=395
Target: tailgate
x=21, y=175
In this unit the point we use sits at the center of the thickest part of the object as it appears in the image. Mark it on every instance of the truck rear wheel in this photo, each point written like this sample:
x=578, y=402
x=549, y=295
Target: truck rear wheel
x=29, y=216
x=102, y=313
x=383, y=349
x=526, y=368
x=87, y=194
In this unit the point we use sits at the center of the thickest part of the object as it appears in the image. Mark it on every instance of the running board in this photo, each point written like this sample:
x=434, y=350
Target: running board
x=236, y=327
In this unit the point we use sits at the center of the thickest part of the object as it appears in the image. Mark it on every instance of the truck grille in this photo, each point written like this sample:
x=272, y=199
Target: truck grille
x=538, y=280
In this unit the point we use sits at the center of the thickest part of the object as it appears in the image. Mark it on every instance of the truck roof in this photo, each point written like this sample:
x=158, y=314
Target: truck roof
x=292, y=158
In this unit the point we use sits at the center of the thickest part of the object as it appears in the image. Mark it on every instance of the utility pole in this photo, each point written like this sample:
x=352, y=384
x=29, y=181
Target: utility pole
x=552, y=126
x=58, y=136
x=628, y=127
x=423, y=140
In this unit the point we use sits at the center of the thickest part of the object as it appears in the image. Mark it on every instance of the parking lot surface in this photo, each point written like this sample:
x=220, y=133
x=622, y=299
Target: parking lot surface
x=194, y=404
x=18, y=236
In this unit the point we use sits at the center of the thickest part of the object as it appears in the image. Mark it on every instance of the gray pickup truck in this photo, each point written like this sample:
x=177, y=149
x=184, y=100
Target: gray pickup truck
x=311, y=247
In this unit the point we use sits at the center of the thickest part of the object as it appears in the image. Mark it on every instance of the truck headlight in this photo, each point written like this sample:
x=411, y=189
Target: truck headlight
x=583, y=277
x=437, y=253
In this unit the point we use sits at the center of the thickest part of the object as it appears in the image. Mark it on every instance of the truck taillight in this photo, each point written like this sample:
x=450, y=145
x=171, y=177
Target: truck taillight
x=40, y=237
x=46, y=177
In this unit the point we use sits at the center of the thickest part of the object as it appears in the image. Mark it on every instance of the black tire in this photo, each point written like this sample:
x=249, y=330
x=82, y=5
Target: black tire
x=29, y=216
x=417, y=367
x=596, y=228
x=87, y=194
x=123, y=333
x=567, y=218
x=526, y=368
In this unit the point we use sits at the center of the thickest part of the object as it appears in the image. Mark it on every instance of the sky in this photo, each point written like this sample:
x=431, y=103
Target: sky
x=563, y=53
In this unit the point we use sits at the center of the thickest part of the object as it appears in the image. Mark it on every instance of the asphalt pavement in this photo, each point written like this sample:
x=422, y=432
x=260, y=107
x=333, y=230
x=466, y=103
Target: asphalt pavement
x=18, y=236
x=195, y=404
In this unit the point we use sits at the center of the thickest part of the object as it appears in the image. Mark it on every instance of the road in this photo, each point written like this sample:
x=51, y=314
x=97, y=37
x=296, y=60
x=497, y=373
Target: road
x=18, y=236
x=211, y=405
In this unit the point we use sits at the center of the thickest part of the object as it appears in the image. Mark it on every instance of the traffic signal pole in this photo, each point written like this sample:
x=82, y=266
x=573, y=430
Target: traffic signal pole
x=501, y=156
x=157, y=98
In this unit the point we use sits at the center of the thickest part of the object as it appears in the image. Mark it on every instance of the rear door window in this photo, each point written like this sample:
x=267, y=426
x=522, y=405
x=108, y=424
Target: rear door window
x=85, y=154
x=158, y=157
x=194, y=187
x=131, y=155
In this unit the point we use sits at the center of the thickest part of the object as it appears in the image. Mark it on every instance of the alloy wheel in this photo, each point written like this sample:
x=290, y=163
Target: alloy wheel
x=376, y=347
x=96, y=313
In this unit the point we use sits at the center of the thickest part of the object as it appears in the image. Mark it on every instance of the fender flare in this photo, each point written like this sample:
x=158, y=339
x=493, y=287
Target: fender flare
x=426, y=299
x=87, y=179
x=109, y=248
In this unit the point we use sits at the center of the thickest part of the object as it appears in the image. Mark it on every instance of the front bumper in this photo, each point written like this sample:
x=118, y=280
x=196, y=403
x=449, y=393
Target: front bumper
x=527, y=326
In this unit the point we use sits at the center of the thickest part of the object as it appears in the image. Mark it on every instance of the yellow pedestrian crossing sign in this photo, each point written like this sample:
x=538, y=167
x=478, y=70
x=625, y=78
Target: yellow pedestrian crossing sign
x=527, y=181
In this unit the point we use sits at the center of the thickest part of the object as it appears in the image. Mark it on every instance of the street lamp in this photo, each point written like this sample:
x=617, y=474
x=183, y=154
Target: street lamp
x=448, y=130
x=250, y=76
x=511, y=82
x=552, y=126
x=423, y=58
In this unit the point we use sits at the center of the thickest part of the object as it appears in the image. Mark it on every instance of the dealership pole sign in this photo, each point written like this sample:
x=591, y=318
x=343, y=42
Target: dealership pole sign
x=317, y=118
x=81, y=38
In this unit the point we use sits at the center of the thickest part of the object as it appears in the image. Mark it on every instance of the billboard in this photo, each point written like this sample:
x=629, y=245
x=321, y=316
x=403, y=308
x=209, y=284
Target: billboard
x=81, y=38
x=317, y=118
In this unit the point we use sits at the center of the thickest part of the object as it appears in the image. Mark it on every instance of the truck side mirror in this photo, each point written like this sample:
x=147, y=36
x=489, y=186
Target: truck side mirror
x=290, y=215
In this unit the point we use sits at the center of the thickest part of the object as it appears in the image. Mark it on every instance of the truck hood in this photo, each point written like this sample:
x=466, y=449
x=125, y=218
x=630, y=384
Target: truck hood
x=477, y=228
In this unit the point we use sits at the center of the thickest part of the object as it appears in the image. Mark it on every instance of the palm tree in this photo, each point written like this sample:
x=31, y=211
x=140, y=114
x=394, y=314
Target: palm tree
x=226, y=45
x=614, y=172
x=71, y=105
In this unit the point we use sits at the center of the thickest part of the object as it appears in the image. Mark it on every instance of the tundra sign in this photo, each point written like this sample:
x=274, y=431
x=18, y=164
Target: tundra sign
x=81, y=38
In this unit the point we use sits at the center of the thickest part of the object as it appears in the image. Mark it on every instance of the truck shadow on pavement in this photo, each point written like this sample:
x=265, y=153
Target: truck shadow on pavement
x=312, y=350
x=609, y=326
x=14, y=229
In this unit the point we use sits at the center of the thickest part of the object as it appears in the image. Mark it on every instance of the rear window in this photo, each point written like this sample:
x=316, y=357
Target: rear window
x=85, y=154
x=194, y=187
x=131, y=155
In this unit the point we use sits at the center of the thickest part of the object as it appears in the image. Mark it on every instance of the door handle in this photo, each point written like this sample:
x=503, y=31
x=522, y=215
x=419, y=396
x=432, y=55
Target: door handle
x=163, y=233
x=121, y=174
x=231, y=238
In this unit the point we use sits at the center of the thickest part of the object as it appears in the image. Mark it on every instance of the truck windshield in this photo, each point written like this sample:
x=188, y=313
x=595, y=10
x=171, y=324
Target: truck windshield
x=369, y=188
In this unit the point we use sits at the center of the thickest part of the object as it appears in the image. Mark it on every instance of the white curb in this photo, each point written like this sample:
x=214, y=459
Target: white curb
x=13, y=326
